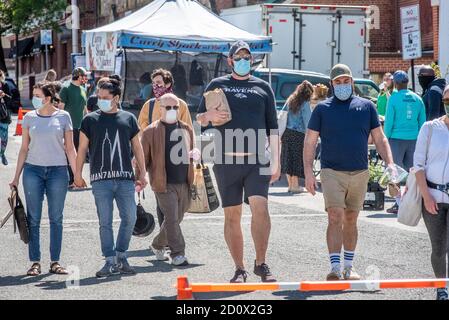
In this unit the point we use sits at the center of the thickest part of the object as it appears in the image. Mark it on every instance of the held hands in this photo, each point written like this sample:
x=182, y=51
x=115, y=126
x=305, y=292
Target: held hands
x=195, y=154
x=80, y=182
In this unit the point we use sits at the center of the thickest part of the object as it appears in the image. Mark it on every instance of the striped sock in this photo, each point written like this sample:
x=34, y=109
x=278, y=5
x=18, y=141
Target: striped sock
x=335, y=261
x=349, y=257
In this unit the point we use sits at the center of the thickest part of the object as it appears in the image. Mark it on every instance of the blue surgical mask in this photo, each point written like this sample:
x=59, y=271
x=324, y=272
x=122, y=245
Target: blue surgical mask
x=104, y=105
x=343, y=91
x=242, y=67
x=37, y=103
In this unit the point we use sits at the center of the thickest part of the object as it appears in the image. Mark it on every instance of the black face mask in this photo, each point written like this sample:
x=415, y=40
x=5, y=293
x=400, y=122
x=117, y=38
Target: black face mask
x=425, y=81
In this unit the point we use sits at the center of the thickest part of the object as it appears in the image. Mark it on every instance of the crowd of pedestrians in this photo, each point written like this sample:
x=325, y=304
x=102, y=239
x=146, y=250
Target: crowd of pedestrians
x=68, y=128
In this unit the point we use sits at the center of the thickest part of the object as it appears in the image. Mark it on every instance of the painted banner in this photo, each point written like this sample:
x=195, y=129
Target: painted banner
x=144, y=42
x=101, y=49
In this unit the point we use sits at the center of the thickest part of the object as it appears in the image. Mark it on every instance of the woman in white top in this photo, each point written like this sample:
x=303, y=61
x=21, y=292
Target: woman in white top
x=47, y=143
x=432, y=162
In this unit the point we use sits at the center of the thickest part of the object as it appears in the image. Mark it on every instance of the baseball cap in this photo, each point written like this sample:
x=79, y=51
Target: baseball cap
x=340, y=70
x=79, y=71
x=237, y=46
x=400, y=77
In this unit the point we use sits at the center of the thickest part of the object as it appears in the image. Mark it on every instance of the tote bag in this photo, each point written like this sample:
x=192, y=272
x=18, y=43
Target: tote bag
x=410, y=210
x=204, y=198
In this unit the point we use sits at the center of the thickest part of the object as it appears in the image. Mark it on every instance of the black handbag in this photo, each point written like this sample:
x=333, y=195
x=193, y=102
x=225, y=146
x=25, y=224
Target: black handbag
x=145, y=223
x=20, y=218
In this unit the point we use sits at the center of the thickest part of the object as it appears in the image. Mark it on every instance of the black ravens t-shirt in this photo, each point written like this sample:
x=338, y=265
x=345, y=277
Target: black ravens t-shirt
x=253, y=109
x=110, y=151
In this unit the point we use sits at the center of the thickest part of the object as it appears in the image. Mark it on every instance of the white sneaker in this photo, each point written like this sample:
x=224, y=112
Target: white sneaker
x=160, y=254
x=179, y=261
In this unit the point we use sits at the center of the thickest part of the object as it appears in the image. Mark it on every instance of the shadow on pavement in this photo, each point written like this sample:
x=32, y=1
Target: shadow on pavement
x=382, y=216
x=164, y=266
x=140, y=253
x=22, y=280
x=304, y=295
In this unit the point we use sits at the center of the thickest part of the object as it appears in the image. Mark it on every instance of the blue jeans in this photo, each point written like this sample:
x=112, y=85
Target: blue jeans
x=51, y=181
x=122, y=191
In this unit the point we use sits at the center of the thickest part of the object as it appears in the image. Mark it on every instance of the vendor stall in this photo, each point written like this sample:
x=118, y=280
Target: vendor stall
x=179, y=35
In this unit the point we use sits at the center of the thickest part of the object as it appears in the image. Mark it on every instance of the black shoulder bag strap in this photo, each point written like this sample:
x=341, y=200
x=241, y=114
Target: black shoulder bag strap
x=151, y=109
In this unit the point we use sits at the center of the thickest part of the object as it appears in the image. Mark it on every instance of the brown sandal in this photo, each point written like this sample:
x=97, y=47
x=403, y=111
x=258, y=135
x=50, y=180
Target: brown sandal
x=35, y=270
x=56, y=268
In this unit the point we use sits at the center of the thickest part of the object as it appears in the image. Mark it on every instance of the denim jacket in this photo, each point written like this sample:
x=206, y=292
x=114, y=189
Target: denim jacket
x=300, y=120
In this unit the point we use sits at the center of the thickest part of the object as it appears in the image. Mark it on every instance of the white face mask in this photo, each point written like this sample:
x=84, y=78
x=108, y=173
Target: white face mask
x=37, y=102
x=104, y=105
x=171, y=116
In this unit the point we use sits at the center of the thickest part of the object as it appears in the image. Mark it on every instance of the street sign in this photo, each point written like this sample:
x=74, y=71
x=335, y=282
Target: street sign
x=411, y=33
x=46, y=37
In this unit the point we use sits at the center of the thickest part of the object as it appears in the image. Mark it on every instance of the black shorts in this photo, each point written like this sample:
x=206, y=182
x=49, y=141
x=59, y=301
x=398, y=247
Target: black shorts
x=234, y=179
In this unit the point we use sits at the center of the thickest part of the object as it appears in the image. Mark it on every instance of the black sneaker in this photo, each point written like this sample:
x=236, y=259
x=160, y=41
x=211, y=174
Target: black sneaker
x=263, y=271
x=442, y=294
x=239, y=276
x=394, y=209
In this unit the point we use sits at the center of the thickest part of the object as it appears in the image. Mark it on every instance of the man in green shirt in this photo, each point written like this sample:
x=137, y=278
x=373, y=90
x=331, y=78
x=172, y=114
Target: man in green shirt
x=74, y=99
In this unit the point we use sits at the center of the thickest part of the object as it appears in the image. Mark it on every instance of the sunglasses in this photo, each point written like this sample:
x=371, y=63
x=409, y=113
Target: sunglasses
x=238, y=58
x=168, y=108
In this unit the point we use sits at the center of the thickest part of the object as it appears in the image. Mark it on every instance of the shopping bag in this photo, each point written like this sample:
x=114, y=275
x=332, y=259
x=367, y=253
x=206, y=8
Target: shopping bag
x=410, y=210
x=20, y=218
x=204, y=198
x=216, y=99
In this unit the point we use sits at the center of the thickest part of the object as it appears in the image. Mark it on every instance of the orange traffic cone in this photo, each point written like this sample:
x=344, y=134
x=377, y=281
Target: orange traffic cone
x=19, y=123
x=184, y=292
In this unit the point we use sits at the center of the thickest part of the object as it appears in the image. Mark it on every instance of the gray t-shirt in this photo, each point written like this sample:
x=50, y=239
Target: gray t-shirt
x=47, y=138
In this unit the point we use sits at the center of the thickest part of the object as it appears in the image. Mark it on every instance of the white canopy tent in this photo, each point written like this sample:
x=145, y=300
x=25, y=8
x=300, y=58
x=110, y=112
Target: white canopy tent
x=149, y=37
x=180, y=25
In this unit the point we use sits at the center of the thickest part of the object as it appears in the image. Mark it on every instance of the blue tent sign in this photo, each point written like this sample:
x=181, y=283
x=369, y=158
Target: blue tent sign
x=143, y=42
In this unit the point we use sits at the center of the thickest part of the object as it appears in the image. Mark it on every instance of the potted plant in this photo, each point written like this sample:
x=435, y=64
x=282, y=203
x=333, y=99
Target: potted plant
x=375, y=196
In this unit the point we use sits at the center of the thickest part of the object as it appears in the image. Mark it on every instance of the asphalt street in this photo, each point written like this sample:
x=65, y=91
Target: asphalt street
x=297, y=252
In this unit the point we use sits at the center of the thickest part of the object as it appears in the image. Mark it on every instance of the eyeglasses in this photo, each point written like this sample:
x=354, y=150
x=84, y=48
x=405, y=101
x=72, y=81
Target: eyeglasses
x=168, y=108
x=245, y=57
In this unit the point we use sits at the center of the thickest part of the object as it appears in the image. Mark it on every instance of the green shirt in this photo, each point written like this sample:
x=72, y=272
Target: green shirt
x=382, y=101
x=75, y=100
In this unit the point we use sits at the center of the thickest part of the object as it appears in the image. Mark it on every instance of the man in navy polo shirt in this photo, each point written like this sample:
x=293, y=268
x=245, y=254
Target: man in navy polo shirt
x=344, y=123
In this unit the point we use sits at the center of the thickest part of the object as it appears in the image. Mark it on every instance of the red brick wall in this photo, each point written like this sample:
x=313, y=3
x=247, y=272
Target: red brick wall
x=436, y=27
x=383, y=64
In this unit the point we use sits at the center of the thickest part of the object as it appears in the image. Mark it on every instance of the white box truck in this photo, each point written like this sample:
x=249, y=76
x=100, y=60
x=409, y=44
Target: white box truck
x=310, y=37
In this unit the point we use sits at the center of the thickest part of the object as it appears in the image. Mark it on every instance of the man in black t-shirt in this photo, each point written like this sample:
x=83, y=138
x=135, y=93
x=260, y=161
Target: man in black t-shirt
x=241, y=164
x=111, y=136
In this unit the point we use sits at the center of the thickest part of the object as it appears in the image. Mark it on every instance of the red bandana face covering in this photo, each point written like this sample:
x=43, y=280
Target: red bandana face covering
x=160, y=91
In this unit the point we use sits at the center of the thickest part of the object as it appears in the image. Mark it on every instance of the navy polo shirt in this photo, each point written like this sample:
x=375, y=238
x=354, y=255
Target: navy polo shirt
x=344, y=128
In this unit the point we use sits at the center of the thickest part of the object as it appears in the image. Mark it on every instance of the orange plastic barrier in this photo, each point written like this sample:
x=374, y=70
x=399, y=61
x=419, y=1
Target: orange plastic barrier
x=19, y=121
x=186, y=289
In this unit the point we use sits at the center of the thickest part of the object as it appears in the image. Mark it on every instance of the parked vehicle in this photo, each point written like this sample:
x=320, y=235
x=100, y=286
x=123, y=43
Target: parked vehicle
x=15, y=94
x=309, y=37
x=284, y=82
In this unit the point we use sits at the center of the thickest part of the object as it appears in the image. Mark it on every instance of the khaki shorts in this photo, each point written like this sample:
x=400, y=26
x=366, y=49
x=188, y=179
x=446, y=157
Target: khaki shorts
x=342, y=189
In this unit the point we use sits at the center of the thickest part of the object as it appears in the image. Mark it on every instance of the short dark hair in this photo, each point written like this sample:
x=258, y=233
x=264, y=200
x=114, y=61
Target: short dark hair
x=166, y=75
x=113, y=86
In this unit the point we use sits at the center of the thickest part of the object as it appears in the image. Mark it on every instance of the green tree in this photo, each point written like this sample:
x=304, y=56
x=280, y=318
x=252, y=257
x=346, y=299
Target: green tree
x=21, y=17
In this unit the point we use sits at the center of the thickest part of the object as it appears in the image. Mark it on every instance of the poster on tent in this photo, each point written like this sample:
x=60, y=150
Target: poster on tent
x=101, y=48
